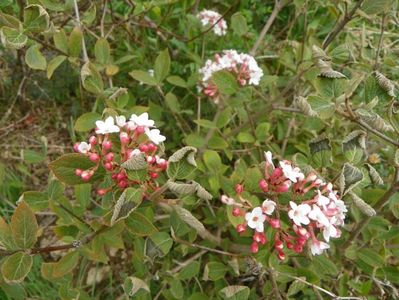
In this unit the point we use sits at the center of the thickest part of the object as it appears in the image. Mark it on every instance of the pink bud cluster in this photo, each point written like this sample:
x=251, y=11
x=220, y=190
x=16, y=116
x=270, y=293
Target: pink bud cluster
x=243, y=66
x=314, y=209
x=113, y=144
x=210, y=17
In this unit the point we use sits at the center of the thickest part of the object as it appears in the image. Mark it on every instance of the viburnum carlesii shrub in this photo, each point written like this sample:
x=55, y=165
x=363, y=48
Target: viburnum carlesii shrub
x=115, y=143
x=213, y=18
x=312, y=216
x=243, y=66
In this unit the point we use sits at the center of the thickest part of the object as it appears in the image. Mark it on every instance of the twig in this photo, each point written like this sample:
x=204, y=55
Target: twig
x=287, y=135
x=274, y=284
x=338, y=28
x=278, y=5
x=212, y=130
x=187, y=262
x=79, y=24
x=377, y=55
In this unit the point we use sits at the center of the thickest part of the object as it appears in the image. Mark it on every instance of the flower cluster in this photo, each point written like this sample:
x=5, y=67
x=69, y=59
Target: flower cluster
x=314, y=209
x=116, y=141
x=213, y=18
x=243, y=66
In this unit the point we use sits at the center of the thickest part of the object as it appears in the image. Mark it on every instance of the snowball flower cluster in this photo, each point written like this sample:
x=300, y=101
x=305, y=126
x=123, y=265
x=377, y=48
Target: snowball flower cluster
x=118, y=140
x=314, y=209
x=243, y=66
x=213, y=18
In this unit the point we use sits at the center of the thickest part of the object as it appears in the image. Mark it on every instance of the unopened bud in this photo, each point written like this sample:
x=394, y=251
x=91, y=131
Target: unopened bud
x=107, y=145
x=263, y=185
x=240, y=228
x=108, y=166
x=78, y=172
x=254, y=247
x=86, y=175
x=151, y=159
x=154, y=175
x=281, y=255
x=152, y=147
x=259, y=237
x=124, y=138
x=236, y=212
x=275, y=223
x=101, y=192
x=278, y=245
x=93, y=140
x=139, y=130
x=76, y=147
x=239, y=188
x=94, y=157
x=143, y=148
x=122, y=184
x=109, y=157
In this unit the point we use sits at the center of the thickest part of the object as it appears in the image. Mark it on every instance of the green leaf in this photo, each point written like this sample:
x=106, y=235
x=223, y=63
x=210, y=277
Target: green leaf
x=34, y=58
x=66, y=264
x=13, y=38
x=330, y=88
x=245, y=137
x=126, y=204
x=102, y=51
x=36, y=200
x=225, y=82
x=54, y=64
x=87, y=121
x=172, y=102
x=6, y=239
x=176, y=288
x=296, y=286
x=162, y=241
x=91, y=78
x=320, y=152
x=372, y=7
x=143, y=77
x=75, y=42
x=61, y=41
x=239, y=24
x=235, y=292
x=138, y=224
x=162, y=65
x=36, y=18
x=349, y=178
x=212, y=161
x=182, y=163
x=133, y=284
x=24, y=226
x=32, y=157
x=206, y=123
x=64, y=168
x=370, y=257
x=189, y=271
x=214, y=270
x=16, y=267
x=177, y=81
x=324, y=107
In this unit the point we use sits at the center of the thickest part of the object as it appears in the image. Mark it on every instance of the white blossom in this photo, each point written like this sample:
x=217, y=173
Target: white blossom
x=107, y=126
x=120, y=121
x=317, y=215
x=292, y=173
x=299, y=213
x=255, y=219
x=317, y=247
x=269, y=158
x=210, y=17
x=268, y=206
x=142, y=120
x=227, y=200
x=84, y=147
x=155, y=136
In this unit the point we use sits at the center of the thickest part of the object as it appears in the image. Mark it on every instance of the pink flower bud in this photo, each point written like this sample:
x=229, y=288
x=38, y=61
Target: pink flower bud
x=263, y=185
x=78, y=172
x=239, y=188
x=94, y=157
x=254, y=247
x=86, y=175
x=107, y=145
x=151, y=159
x=152, y=147
x=259, y=237
x=282, y=188
x=281, y=255
x=114, y=176
x=139, y=130
x=101, y=192
x=93, y=140
x=122, y=184
x=124, y=138
x=301, y=241
x=241, y=228
x=277, y=172
x=298, y=248
x=236, y=212
x=121, y=176
x=278, y=245
x=76, y=147
x=290, y=245
x=154, y=175
x=108, y=166
x=163, y=164
x=143, y=148
x=275, y=223
x=109, y=157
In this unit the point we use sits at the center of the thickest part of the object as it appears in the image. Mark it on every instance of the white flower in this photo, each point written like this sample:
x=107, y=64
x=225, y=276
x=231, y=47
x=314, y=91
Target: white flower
x=299, y=213
x=318, y=247
x=322, y=200
x=255, y=219
x=84, y=147
x=291, y=173
x=120, y=121
x=269, y=158
x=317, y=215
x=155, y=136
x=131, y=125
x=142, y=120
x=209, y=17
x=107, y=126
x=135, y=152
x=227, y=200
x=330, y=231
x=268, y=206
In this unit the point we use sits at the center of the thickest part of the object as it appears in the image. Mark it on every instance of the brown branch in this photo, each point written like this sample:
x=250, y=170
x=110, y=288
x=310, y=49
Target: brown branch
x=338, y=28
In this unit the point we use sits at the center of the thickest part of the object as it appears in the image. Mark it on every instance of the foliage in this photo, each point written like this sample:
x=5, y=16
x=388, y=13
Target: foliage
x=132, y=215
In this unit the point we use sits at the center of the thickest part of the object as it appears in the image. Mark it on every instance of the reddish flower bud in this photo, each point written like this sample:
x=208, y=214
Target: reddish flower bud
x=107, y=145
x=277, y=172
x=275, y=223
x=154, y=175
x=278, y=245
x=236, y=212
x=109, y=157
x=254, y=247
x=139, y=130
x=282, y=188
x=152, y=147
x=239, y=188
x=143, y=148
x=86, y=175
x=241, y=228
x=163, y=164
x=101, y=192
x=76, y=147
x=124, y=138
x=290, y=245
x=263, y=185
x=151, y=159
x=301, y=241
x=93, y=140
x=94, y=157
x=281, y=255
x=259, y=237
x=78, y=172
x=298, y=248
x=108, y=166
x=121, y=176
x=114, y=176
x=122, y=184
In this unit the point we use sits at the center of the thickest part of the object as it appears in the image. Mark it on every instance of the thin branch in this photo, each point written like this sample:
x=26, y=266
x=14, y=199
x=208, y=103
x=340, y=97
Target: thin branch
x=85, y=56
x=278, y=5
x=377, y=55
x=338, y=28
x=276, y=290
